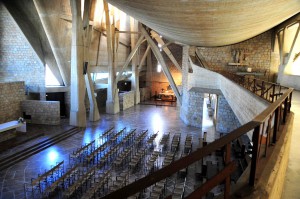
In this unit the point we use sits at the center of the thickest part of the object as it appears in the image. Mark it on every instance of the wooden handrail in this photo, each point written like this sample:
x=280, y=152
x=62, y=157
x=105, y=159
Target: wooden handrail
x=181, y=163
x=214, y=181
x=256, y=124
x=271, y=109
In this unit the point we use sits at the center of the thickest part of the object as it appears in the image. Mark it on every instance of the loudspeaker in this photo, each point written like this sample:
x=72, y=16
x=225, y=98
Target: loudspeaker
x=85, y=65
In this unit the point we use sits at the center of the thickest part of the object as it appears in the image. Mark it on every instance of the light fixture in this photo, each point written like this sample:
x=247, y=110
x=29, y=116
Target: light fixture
x=158, y=68
x=159, y=46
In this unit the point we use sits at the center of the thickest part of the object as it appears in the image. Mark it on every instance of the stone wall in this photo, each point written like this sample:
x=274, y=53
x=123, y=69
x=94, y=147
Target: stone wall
x=195, y=108
x=11, y=95
x=126, y=100
x=255, y=53
x=18, y=60
x=244, y=104
x=145, y=94
x=226, y=119
x=42, y=112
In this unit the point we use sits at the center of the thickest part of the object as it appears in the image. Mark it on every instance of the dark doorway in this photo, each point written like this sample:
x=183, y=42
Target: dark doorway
x=58, y=96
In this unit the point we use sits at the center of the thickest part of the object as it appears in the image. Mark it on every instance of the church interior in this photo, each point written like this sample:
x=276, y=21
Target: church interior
x=149, y=99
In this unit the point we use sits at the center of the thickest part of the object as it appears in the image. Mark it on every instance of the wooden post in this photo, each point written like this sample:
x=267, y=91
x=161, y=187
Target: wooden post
x=227, y=179
x=262, y=88
x=285, y=110
x=275, y=128
x=254, y=85
x=290, y=102
x=255, y=155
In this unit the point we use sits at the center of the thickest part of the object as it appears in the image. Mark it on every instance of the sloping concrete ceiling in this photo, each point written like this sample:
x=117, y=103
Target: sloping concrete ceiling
x=27, y=18
x=209, y=22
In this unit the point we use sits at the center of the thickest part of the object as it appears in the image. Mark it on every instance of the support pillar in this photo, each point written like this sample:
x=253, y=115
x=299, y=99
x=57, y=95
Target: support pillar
x=77, y=112
x=149, y=71
x=112, y=103
x=94, y=112
x=135, y=72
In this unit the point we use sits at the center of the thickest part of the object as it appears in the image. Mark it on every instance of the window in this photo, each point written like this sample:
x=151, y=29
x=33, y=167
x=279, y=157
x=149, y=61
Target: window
x=50, y=79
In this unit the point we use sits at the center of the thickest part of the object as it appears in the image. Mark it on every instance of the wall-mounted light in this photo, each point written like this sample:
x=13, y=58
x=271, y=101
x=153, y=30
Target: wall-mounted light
x=158, y=68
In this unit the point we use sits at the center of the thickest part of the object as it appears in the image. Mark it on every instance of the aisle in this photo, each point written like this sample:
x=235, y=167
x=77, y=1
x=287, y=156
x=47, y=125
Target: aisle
x=291, y=185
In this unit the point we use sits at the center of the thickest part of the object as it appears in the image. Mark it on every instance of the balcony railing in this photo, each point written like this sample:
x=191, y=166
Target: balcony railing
x=266, y=131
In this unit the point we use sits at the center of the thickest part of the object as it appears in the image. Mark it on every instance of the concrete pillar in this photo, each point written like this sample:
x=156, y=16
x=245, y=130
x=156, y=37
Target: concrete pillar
x=112, y=102
x=135, y=73
x=226, y=119
x=78, y=112
x=149, y=71
x=185, y=72
x=94, y=111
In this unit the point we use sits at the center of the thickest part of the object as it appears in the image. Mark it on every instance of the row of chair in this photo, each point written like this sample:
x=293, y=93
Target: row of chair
x=44, y=181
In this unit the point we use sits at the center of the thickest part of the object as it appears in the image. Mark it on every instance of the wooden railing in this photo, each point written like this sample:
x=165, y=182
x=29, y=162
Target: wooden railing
x=261, y=125
x=266, y=90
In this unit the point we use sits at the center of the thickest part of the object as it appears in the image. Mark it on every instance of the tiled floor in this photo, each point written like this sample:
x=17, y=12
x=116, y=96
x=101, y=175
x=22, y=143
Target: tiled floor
x=160, y=119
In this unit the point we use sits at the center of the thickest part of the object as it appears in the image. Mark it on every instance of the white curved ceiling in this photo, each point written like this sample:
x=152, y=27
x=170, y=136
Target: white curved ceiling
x=209, y=22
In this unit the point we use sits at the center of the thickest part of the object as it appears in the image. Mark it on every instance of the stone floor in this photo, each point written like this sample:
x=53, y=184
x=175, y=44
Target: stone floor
x=161, y=119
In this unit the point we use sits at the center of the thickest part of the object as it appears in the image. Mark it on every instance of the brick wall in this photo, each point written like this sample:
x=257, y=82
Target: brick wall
x=255, y=53
x=18, y=60
x=11, y=95
x=226, y=119
x=42, y=112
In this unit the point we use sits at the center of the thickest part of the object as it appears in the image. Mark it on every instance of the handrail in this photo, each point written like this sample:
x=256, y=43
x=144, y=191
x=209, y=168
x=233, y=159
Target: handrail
x=271, y=109
x=266, y=90
x=274, y=111
x=181, y=163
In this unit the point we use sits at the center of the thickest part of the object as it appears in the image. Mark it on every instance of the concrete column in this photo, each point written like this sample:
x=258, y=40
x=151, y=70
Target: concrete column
x=185, y=72
x=78, y=112
x=94, y=111
x=149, y=71
x=135, y=73
x=112, y=102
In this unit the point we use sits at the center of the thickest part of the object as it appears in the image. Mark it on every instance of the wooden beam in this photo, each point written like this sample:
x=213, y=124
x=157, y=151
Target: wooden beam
x=161, y=60
x=165, y=49
x=130, y=56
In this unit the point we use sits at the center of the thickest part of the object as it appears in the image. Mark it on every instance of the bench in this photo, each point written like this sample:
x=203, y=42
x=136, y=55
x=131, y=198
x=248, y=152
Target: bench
x=5, y=134
x=19, y=126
